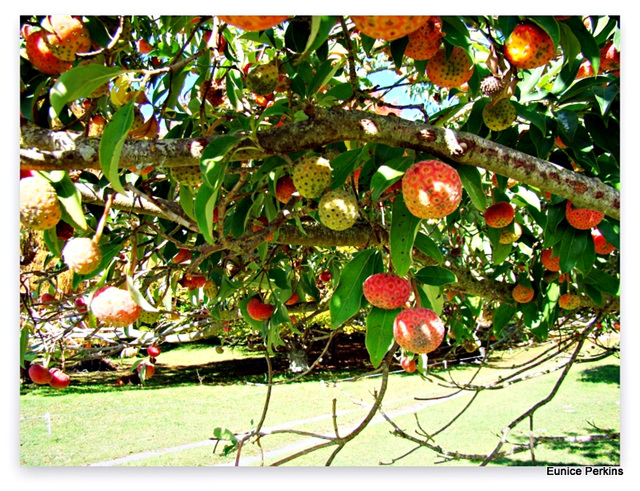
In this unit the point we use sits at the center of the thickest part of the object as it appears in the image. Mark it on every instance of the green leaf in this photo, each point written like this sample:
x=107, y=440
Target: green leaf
x=70, y=199
x=501, y=317
x=397, y=48
x=588, y=44
x=379, y=334
x=321, y=25
x=111, y=143
x=388, y=174
x=570, y=49
x=205, y=203
x=341, y=91
x=472, y=183
x=79, y=83
x=213, y=162
x=500, y=252
x=603, y=282
x=51, y=240
x=427, y=245
x=347, y=298
x=325, y=73
x=24, y=344
x=185, y=197
x=573, y=245
x=404, y=227
x=435, y=276
x=343, y=166
x=138, y=297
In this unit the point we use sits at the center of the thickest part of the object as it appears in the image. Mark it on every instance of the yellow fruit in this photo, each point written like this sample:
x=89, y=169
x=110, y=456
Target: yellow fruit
x=39, y=205
x=338, y=209
x=499, y=116
x=82, y=255
x=312, y=176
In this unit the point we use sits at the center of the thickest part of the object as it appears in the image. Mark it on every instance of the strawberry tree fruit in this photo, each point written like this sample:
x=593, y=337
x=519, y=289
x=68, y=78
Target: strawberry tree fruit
x=529, y=46
x=431, y=189
x=386, y=290
x=388, y=27
x=259, y=311
x=312, y=176
x=609, y=58
x=569, y=301
x=601, y=245
x=59, y=379
x=213, y=92
x=522, y=294
x=253, y=22
x=149, y=317
x=41, y=56
x=114, y=307
x=82, y=255
x=499, y=215
x=210, y=289
x=153, y=351
x=66, y=35
x=285, y=189
x=418, y=330
x=39, y=205
x=262, y=79
x=39, y=374
x=408, y=364
x=181, y=256
x=551, y=263
x=325, y=276
x=508, y=236
x=189, y=175
x=450, y=72
x=500, y=115
x=149, y=369
x=338, y=209
x=425, y=41
x=582, y=218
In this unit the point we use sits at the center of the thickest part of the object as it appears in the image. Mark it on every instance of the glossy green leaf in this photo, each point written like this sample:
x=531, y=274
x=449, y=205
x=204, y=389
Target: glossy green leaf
x=204, y=204
x=379, y=334
x=111, y=143
x=404, y=227
x=435, y=276
x=427, y=245
x=472, y=183
x=573, y=245
x=501, y=317
x=69, y=198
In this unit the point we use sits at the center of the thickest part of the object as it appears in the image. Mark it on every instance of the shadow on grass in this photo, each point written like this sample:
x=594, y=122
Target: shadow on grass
x=607, y=374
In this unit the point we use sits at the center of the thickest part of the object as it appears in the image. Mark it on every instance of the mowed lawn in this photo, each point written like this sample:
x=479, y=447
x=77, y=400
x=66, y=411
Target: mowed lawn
x=170, y=421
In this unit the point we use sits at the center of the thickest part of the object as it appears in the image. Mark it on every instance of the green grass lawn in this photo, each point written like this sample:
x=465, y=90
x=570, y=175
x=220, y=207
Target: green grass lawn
x=192, y=393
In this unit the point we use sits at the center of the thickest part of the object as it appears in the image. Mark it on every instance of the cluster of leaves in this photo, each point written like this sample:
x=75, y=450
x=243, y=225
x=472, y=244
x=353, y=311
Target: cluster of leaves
x=324, y=63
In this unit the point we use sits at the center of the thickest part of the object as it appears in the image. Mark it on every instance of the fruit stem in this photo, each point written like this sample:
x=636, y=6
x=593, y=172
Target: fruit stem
x=103, y=219
x=416, y=295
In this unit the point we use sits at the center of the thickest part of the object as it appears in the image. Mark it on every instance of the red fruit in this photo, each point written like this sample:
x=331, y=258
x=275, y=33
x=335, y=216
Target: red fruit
x=386, y=290
x=41, y=56
x=550, y=263
x=47, y=297
x=181, y=256
x=585, y=70
x=583, y=218
x=114, y=307
x=149, y=369
x=143, y=46
x=253, y=22
x=39, y=374
x=408, y=364
x=293, y=299
x=600, y=243
x=259, y=311
x=425, y=41
x=59, y=379
x=192, y=281
x=153, y=351
x=25, y=173
x=609, y=58
x=418, y=330
x=80, y=304
x=529, y=46
x=388, y=27
x=66, y=35
x=499, y=215
x=522, y=294
x=449, y=72
x=285, y=189
x=431, y=189
x=325, y=276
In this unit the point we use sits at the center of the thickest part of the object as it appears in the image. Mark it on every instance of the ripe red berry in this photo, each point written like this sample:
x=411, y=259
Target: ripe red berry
x=39, y=374
x=259, y=311
x=325, y=276
x=431, y=189
x=418, y=330
x=293, y=299
x=408, y=364
x=386, y=290
x=583, y=218
x=499, y=215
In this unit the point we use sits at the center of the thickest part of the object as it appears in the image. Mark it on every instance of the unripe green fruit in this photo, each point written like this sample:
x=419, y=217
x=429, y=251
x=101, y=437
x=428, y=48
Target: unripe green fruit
x=499, y=116
x=187, y=175
x=338, y=209
x=149, y=317
x=262, y=80
x=312, y=176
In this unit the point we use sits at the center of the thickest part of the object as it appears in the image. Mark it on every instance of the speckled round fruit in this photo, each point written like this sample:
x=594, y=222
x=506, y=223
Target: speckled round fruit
x=418, y=330
x=312, y=176
x=431, y=189
x=262, y=79
x=508, y=236
x=452, y=71
x=39, y=374
x=499, y=116
x=529, y=46
x=388, y=27
x=425, y=41
x=609, y=58
x=59, y=379
x=39, y=205
x=499, y=215
x=600, y=243
x=41, y=56
x=285, y=189
x=386, y=290
x=569, y=301
x=82, y=255
x=259, y=311
x=253, y=22
x=189, y=175
x=210, y=289
x=114, y=307
x=338, y=209
x=522, y=294
x=582, y=218
x=149, y=317
x=551, y=263
x=66, y=35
